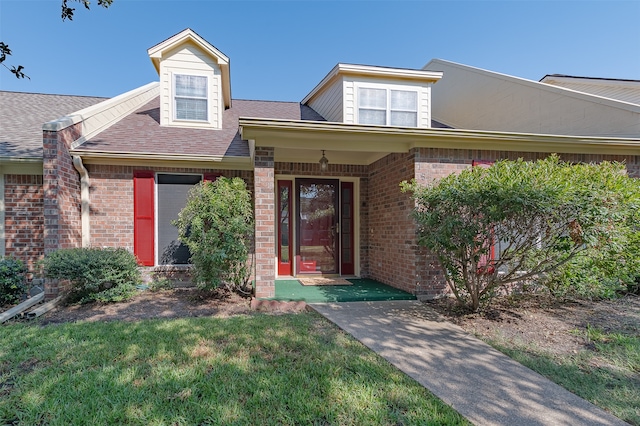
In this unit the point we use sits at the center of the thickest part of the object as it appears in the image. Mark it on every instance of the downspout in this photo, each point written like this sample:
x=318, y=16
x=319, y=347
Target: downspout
x=85, y=201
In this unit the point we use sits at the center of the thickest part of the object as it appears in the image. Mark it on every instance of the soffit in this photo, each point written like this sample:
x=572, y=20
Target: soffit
x=369, y=142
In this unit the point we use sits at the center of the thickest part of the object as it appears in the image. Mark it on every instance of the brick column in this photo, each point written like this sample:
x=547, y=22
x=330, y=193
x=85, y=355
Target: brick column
x=264, y=190
x=61, y=185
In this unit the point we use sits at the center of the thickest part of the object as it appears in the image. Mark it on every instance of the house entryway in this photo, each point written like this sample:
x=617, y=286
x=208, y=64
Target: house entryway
x=316, y=227
x=357, y=290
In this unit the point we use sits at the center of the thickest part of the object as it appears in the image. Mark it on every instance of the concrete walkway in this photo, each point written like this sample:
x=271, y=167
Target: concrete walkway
x=482, y=384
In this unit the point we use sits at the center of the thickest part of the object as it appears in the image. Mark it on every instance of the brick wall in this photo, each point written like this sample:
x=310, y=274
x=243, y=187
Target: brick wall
x=433, y=164
x=24, y=220
x=391, y=233
x=62, y=207
x=264, y=187
x=111, y=194
x=61, y=182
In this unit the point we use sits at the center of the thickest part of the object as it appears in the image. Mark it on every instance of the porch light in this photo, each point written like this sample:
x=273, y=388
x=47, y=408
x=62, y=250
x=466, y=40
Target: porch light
x=323, y=162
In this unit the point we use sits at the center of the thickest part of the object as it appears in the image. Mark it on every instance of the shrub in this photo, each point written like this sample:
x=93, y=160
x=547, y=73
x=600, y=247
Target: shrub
x=12, y=285
x=217, y=226
x=542, y=215
x=95, y=274
x=608, y=268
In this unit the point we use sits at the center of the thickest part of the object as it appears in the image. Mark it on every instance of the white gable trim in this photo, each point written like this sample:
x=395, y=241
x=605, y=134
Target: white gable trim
x=157, y=52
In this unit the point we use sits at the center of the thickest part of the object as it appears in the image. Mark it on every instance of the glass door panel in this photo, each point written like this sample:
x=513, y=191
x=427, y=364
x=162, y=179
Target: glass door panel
x=284, y=227
x=317, y=227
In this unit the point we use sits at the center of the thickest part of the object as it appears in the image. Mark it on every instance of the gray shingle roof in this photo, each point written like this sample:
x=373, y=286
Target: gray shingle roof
x=23, y=114
x=140, y=132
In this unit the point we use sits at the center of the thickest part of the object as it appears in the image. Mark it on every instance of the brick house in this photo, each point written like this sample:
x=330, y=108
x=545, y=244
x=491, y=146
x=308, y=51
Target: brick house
x=324, y=172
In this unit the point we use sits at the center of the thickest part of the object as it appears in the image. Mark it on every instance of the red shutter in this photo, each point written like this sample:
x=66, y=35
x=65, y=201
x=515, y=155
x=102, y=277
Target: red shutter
x=211, y=177
x=482, y=163
x=143, y=213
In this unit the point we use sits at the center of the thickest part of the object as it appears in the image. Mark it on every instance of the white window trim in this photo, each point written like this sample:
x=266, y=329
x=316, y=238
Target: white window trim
x=388, y=88
x=174, y=96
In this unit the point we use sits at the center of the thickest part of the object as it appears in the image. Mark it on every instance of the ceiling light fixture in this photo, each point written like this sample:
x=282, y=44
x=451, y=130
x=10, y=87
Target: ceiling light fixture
x=324, y=163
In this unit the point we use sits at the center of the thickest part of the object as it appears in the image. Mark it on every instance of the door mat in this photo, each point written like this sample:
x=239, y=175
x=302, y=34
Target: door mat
x=323, y=281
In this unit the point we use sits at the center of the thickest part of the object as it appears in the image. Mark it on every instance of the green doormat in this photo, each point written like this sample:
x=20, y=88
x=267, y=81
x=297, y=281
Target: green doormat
x=359, y=290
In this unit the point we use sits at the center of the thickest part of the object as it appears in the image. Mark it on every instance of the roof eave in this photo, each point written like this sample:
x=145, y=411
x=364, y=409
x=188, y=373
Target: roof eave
x=169, y=159
x=355, y=137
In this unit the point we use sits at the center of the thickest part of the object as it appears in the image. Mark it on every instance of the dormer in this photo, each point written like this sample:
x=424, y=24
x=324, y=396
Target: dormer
x=195, y=87
x=360, y=94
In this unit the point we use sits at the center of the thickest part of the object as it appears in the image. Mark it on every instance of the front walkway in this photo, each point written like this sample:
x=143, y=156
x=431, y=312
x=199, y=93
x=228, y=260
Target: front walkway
x=482, y=384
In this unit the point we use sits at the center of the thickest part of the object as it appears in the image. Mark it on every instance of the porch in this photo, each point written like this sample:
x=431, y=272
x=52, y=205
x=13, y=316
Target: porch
x=360, y=290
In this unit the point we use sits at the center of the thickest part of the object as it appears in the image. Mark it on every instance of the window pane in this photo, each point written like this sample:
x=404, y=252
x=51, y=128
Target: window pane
x=372, y=98
x=404, y=100
x=191, y=85
x=172, y=193
x=191, y=109
x=368, y=116
x=405, y=119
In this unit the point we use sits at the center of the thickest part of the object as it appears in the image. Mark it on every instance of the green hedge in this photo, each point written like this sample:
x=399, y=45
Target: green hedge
x=12, y=285
x=96, y=274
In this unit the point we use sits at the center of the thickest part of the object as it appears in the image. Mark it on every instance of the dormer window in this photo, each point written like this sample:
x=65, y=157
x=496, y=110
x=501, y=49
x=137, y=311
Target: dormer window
x=384, y=106
x=191, y=102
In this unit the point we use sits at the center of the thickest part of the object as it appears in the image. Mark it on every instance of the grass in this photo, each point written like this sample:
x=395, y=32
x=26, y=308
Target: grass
x=607, y=373
x=244, y=370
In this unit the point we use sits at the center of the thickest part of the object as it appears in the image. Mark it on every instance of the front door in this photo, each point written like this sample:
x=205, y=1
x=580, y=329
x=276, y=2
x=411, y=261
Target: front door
x=317, y=245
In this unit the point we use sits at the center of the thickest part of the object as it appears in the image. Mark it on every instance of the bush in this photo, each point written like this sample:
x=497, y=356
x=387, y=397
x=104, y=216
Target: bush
x=217, y=226
x=12, y=285
x=607, y=269
x=95, y=274
x=542, y=218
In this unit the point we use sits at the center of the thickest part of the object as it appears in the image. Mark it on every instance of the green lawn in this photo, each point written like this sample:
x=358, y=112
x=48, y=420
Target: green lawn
x=608, y=374
x=253, y=370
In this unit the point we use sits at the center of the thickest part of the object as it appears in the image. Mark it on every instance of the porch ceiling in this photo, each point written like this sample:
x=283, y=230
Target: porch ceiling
x=300, y=140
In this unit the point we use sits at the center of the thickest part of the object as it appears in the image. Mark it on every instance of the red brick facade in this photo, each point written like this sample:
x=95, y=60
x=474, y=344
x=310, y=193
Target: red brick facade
x=388, y=249
x=24, y=220
x=264, y=198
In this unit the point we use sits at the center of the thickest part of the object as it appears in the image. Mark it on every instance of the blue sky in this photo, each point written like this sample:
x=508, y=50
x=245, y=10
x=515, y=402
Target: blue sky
x=281, y=50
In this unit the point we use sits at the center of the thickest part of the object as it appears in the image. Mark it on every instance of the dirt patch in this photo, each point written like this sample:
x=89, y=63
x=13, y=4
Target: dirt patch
x=558, y=328
x=176, y=303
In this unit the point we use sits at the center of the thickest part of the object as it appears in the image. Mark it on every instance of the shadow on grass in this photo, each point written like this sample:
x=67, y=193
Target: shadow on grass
x=607, y=386
x=262, y=369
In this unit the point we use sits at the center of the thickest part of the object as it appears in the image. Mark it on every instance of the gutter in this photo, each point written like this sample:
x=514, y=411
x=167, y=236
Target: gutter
x=85, y=200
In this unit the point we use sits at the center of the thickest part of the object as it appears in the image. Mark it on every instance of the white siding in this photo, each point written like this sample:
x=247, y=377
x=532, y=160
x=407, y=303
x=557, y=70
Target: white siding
x=329, y=103
x=349, y=104
x=351, y=101
x=470, y=98
x=190, y=60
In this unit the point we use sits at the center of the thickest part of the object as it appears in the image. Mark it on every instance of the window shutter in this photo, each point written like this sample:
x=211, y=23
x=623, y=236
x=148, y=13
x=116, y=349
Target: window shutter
x=211, y=177
x=143, y=212
x=482, y=163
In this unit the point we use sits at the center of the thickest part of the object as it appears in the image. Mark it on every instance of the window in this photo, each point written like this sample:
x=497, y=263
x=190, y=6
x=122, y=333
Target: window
x=191, y=97
x=387, y=106
x=172, y=193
